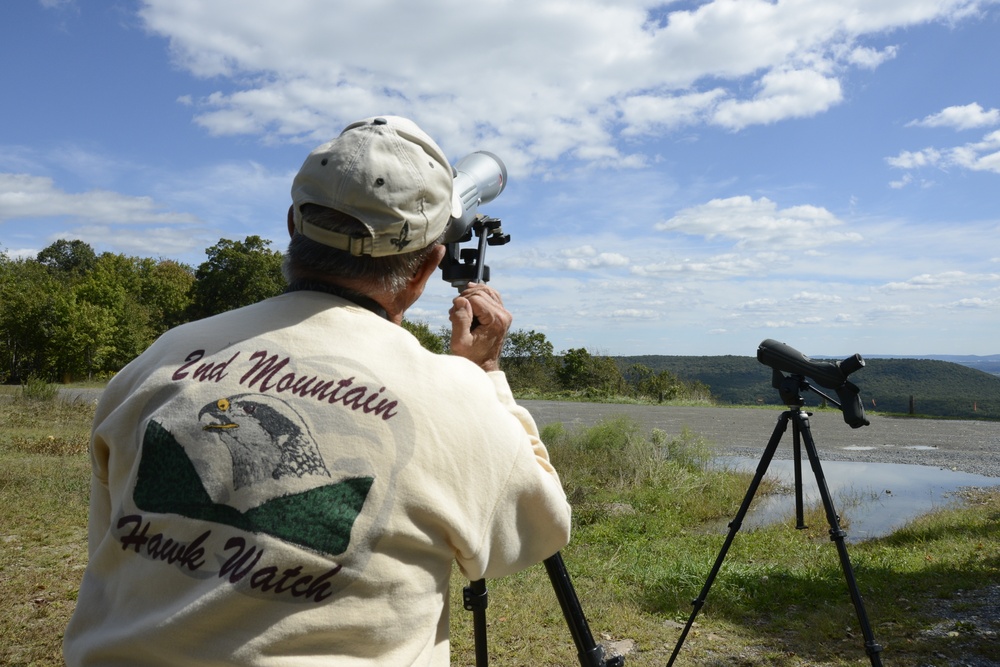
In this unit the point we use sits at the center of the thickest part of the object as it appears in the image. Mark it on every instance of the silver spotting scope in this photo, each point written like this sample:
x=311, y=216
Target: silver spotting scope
x=480, y=177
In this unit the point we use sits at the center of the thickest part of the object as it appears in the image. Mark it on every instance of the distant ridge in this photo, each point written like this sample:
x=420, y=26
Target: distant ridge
x=989, y=363
x=934, y=387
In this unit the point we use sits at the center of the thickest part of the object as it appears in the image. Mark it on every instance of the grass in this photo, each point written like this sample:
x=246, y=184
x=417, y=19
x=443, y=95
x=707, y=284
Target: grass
x=44, y=487
x=649, y=524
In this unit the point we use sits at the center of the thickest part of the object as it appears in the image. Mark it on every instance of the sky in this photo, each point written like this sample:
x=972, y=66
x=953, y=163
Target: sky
x=684, y=178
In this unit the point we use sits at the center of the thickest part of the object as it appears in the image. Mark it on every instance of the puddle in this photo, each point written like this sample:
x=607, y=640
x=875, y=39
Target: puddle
x=876, y=498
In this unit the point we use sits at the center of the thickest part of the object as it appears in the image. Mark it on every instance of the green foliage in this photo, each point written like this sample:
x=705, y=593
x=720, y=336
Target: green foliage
x=428, y=339
x=615, y=455
x=165, y=287
x=70, y=258
x=528, y=361
x=27, y=292
x=580, y=370
x=38, y=390
x=82, y=337
x=77, y=316
x=236, y=274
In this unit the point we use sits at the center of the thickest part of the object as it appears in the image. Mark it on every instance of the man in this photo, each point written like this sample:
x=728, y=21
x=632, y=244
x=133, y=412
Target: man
x=290, y=482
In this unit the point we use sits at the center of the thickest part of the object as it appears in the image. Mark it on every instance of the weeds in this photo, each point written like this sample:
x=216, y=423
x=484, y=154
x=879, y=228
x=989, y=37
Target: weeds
x=36, y=389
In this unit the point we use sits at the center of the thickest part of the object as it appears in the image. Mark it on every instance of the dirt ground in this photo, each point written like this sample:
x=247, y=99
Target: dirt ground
x=965, y=445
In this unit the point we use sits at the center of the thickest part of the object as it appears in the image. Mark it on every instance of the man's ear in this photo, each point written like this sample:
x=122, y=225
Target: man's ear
x=430, y=265
x=291, y=221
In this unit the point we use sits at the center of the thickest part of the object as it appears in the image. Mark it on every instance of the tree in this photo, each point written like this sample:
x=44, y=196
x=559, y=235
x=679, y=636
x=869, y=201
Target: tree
x=114, y=287
x=83, y=335
x=581, y=371
x=27, y=293
x=431, y=341
x=70, y=258
x=528, y=361
x=644, y=382
x=236, y=274
x=166, y=288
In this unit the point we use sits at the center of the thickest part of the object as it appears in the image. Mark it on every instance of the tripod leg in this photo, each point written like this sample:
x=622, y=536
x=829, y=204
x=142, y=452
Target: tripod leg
x=765, y=461
x=797, y=453
x=589, y=652
x=837, y=535
x=476, y=599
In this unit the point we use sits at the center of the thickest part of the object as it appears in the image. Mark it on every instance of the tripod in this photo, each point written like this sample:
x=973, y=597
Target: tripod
x=790, y=388
x=590, y=653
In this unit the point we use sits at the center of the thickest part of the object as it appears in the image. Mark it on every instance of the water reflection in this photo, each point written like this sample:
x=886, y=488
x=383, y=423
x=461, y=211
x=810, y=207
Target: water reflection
x=876, y=498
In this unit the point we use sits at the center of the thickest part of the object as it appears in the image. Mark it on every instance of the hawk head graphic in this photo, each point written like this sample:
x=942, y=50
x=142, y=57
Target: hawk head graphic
x=265, y=437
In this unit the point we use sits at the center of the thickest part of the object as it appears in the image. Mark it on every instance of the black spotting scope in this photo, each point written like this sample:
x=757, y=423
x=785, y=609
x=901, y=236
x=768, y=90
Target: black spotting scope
x=828, y=374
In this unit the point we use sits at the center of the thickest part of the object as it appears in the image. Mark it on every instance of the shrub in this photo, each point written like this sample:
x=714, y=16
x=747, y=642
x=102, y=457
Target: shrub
x=36, y=389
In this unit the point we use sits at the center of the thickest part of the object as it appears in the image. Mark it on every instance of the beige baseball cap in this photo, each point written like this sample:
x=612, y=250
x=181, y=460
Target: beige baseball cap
x=389, y=174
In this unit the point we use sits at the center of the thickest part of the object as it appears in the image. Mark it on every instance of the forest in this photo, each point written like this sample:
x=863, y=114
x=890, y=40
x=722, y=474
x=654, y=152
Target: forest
x=70, y=315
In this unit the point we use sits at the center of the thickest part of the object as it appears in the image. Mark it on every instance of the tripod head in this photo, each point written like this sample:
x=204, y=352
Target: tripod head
x=462, y=266
x=828, y=374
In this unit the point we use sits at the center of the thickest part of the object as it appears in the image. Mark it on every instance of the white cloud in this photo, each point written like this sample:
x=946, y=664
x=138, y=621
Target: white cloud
x=760, y=223
x=782, y=95
x=635, y=314
x=969, y=117
x=974, y=303
x=870, y=58
x=57, y=4
x=916, y=159
x=647, y=114
x=27, y=196
x=717, y=267
x=901, y=183
x=553, y=79
x=944, y=280
x=152, y=241
x=983, y=155
x=586, y=257
x=815, y=298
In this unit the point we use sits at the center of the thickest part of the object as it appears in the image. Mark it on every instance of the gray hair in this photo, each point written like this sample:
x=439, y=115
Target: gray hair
x=310, y=260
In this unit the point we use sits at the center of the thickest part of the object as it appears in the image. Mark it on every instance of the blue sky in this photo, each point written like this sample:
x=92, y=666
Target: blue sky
x=684, y=177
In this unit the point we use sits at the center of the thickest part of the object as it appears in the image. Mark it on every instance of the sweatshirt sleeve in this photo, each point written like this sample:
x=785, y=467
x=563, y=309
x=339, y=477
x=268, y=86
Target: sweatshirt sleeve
x=531, y=517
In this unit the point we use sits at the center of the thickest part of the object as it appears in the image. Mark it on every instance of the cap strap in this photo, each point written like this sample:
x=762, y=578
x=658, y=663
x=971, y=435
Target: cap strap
x=356, y=245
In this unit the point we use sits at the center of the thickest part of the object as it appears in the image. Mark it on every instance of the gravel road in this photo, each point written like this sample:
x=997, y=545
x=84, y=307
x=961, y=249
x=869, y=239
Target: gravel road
x=965, y=445
x=968, y=446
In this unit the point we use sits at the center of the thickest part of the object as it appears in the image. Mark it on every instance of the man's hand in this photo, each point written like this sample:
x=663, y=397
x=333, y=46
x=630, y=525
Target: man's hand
x=482, y=343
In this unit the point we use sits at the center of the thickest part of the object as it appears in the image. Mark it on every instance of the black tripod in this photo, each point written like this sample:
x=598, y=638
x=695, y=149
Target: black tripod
x=589, y=652
x=790, y=389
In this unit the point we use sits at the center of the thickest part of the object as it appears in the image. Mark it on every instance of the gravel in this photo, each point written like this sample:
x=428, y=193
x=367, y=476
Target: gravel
x=963, y=445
